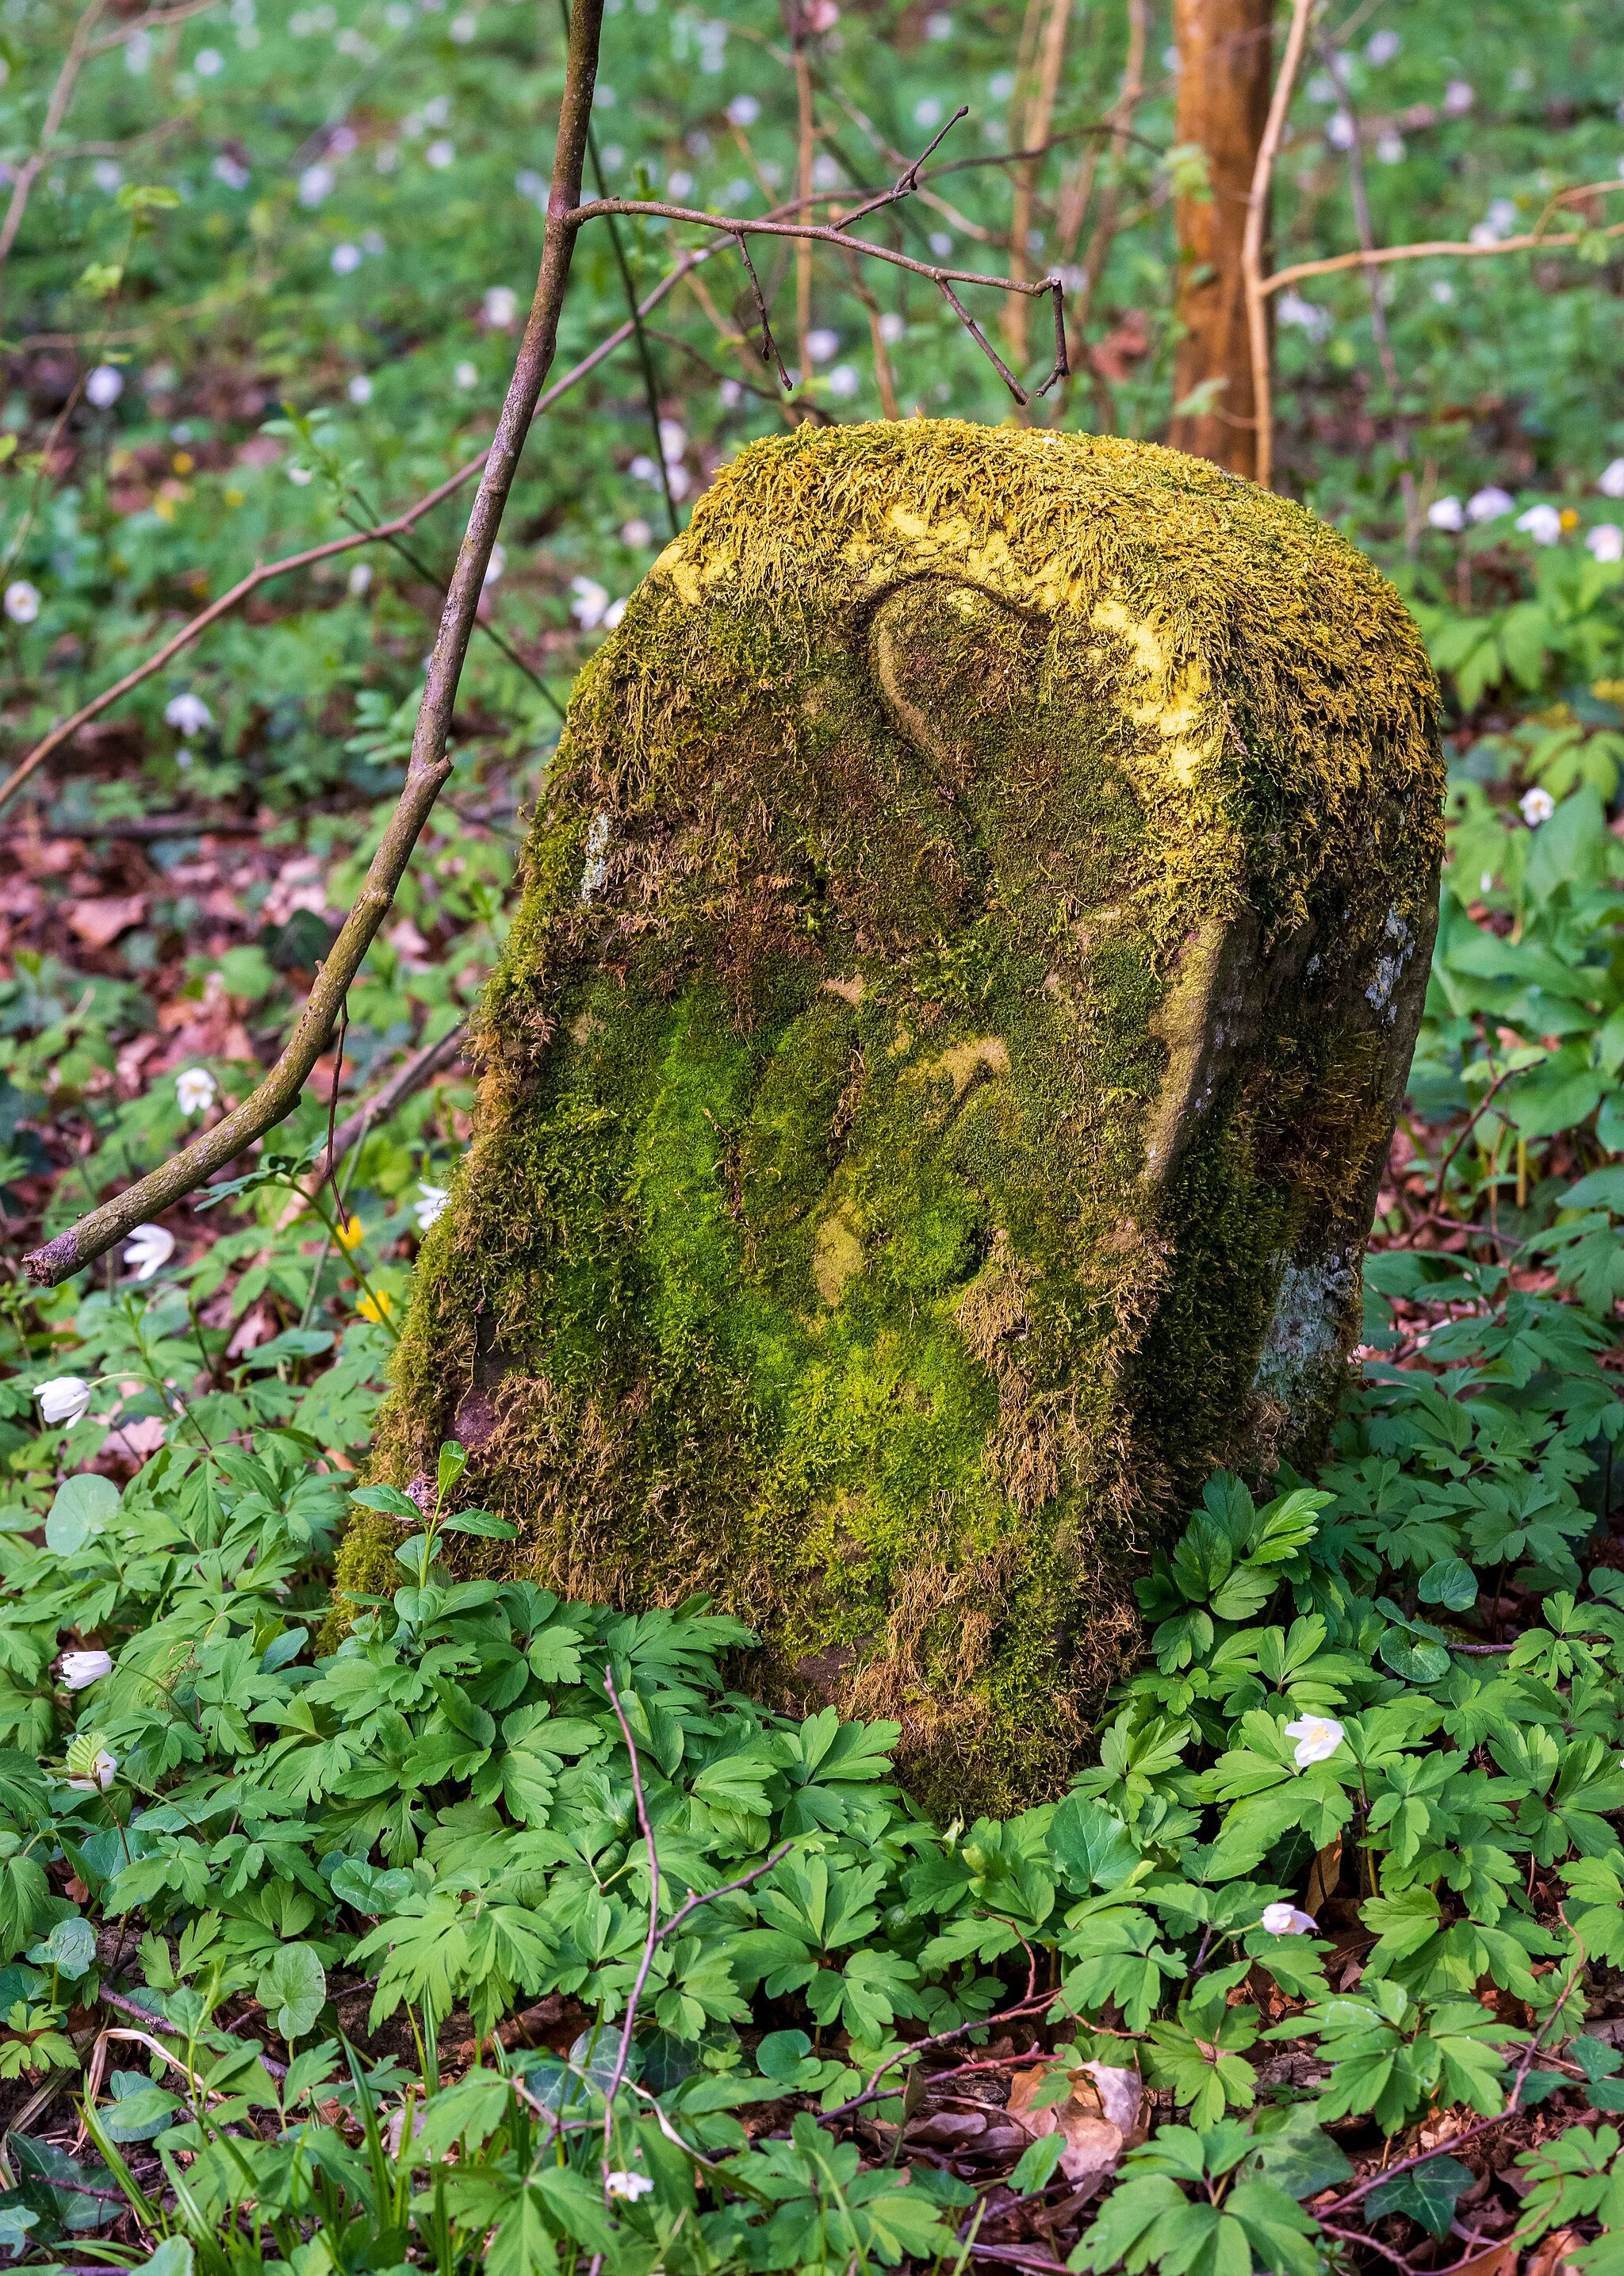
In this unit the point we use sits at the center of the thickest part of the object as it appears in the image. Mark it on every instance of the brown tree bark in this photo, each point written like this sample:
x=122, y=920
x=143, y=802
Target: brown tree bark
x=1225, y=63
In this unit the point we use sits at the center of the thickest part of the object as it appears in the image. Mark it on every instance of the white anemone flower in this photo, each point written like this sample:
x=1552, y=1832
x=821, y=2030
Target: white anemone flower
x=496, y=564
x=1447, y=514
x=1536, y=806
x=466, y=375
x=150, y=1248
x=22, y=601
x=103, y=1771
x=313, y=185
x=1317, y=1737
x=195, y=1090
x=1541, y=523
x=1605, y=542
x=589, y=603
x=1287, y=1920
x=188, y=715
x=359, y=389
x=1489, y=504
x=432, y=1206
x=1610, y=482
x=630, y=2185
x=81, y=1669
x=345, y=260
x=501, y=307
x=104, y=386
x=64, y=1399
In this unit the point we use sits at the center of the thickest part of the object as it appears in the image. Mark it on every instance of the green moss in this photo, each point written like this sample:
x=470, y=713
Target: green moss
x=942, y=1049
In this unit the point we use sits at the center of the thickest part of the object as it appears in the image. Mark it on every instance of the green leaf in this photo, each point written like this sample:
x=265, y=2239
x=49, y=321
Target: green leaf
x=292, y=1989
x=1036, y=2163
x=1453, y=1584
x=1091, y=1847
x=1427, y=2193
x=85, y=1506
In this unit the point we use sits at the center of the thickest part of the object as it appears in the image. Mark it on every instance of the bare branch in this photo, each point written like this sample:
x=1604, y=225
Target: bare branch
x=908, y=181
x=1434, y=249
x=428, y=769
x=1252, y=242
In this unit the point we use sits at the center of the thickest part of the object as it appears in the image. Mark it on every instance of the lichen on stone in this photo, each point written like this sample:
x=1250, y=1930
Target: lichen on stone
x=951, y=1033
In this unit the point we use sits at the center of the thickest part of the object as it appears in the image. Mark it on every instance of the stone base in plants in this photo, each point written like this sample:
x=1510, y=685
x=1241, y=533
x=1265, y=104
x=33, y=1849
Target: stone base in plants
x=937, y=1081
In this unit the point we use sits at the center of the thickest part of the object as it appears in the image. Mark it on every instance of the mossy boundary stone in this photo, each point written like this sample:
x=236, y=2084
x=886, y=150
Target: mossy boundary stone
x=936, y=1088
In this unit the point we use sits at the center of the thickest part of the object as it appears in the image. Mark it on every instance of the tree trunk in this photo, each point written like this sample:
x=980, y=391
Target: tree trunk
x=1224, y=83
x=937, y=1081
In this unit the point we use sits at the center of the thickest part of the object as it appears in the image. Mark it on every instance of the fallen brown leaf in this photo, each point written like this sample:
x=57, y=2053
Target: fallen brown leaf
x=99, y=922
x=1100, y=2118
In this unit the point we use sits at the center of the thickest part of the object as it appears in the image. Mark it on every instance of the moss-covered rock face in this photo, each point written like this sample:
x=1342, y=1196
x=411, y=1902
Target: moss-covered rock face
x=970, y=958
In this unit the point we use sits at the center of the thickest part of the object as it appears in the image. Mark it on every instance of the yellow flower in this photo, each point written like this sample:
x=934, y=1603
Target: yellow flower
x=376, y=1308
x=349, y=1234
x=1570, y=520
x=234, y=496
x=183, y=463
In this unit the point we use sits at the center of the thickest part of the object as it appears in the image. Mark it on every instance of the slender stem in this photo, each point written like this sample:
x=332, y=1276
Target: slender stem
x=1252, y=242
x=428, y=769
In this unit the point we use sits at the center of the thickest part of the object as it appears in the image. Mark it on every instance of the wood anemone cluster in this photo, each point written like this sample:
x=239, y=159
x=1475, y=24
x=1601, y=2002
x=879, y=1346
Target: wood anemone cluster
x=936, y=1087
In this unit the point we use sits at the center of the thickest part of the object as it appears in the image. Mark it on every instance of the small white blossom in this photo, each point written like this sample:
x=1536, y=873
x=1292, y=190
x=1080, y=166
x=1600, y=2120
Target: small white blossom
x=104, y=386
x=744, y=110
x=463, y=28
x=64, y=1399
x=938, y=25
x=195, y=1090
x=1606, y=542
x=1381, y=48
x=359, y=389
x=1536, y=806
x=612, y=615
x=591, y=600
x=1447, y=514
x=1610, y=482
x=431, y=1208
x=1294, y=310
x=208, y=63
x=636, y=532
x=360, y=581
x=1442, y=291
x=441, y=153
x=941, y=243
x=1489, y=504
x=345, y=259
x=844, y=382
x=928, y=113
x=22, y=602
x=300, y=476
x=103, y=1771
x=231, y=171
x=1340, y=131
x=1285, y=1919
x=496, y=564
x=187, y=714
x=1317, y=1737
x=821, y=344
x=673, y=441
x=892, y=328
x=108, y=175
x=630, y=2185
x=1541, y=523
x=1458, y=96
x=1390, y=148
x=150, y=1248
x=313, y=185
x=81, y=1669
x=374, y=242
x=466, y=375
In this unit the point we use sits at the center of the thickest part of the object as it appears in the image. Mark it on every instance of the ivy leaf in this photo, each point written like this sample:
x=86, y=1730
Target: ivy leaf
x=1427, y=2193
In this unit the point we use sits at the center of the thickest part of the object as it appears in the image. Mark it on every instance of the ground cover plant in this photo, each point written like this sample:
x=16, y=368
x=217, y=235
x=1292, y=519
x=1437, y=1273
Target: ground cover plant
x=503, y=1930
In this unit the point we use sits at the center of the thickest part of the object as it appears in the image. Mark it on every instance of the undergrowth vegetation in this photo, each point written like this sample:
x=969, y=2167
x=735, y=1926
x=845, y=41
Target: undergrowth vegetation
x=507, y=1933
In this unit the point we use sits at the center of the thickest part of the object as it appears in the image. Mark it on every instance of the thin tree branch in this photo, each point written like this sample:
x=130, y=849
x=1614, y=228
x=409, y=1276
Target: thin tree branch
x=428, y=769
x=1252, y=242
x=1434, y=249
